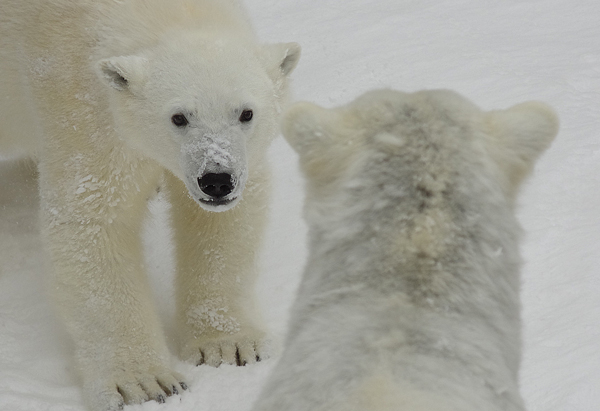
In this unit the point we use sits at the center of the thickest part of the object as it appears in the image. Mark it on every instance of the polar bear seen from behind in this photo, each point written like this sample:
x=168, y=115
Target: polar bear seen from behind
x=112, y=97
x=410, y=297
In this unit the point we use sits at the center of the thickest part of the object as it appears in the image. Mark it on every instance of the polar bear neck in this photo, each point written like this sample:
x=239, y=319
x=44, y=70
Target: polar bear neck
x=447, y=260
x=422, y=234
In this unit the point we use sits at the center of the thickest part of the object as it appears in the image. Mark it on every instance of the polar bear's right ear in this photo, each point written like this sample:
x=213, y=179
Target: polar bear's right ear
x=124, y=72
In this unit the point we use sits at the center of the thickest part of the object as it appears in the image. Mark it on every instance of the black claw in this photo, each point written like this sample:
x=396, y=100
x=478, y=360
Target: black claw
x=174, y=390
x=160, y=399
x=183, y=385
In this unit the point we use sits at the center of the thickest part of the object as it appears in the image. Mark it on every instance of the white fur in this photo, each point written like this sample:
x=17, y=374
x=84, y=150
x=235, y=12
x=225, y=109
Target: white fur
x=89, y=88
x=410, y=297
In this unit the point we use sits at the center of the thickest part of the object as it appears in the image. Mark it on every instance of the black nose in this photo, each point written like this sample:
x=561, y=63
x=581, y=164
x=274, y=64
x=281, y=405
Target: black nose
x=216, y=185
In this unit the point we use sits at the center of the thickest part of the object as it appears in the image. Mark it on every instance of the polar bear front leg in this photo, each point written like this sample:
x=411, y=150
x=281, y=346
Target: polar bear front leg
x=91, y=227
x=216, y=257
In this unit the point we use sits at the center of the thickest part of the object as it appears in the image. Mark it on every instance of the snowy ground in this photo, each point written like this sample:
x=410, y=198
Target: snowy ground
x=497, y=54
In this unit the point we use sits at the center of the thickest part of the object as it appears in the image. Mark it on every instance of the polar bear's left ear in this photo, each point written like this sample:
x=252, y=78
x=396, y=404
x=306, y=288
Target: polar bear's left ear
x=304, y=126
x=282, y=59
x=124, y=72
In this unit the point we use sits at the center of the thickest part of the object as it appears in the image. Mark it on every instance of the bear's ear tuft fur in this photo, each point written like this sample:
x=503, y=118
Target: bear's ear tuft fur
x=521, y=134
x=124, y=72
x=282, y=58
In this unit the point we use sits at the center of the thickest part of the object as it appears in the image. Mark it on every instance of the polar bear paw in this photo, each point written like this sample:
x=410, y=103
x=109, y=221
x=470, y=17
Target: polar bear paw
x=233, y=350
x=134, y=388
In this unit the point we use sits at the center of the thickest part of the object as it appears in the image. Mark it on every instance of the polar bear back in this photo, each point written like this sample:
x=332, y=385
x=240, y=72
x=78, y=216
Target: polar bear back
x=410, y=296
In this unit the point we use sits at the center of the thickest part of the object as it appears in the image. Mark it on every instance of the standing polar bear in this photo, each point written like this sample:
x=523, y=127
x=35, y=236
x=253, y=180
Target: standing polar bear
x=110, y=97
x=410, y=298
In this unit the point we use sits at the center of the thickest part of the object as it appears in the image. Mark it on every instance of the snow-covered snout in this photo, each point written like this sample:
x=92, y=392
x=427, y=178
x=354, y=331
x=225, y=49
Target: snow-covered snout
x=215, y=167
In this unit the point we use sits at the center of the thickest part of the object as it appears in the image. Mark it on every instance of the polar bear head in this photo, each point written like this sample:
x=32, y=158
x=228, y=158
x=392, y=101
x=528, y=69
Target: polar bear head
x=204, y=109
x=414, y=148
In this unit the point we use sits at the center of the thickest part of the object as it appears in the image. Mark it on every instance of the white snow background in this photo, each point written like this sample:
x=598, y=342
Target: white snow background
x=497, y=53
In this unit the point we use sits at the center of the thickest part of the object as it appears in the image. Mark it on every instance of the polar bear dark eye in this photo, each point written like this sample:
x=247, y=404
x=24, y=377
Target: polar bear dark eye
x=179, y=120
x=246, y=116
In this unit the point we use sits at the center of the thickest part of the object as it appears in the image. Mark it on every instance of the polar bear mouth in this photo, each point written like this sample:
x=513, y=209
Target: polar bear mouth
x=217, y=202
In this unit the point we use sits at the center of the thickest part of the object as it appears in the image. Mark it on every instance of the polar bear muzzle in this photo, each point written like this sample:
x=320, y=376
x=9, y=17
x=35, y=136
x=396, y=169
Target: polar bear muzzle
x=216, y=185
x=215, y=169
x=218, y=190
